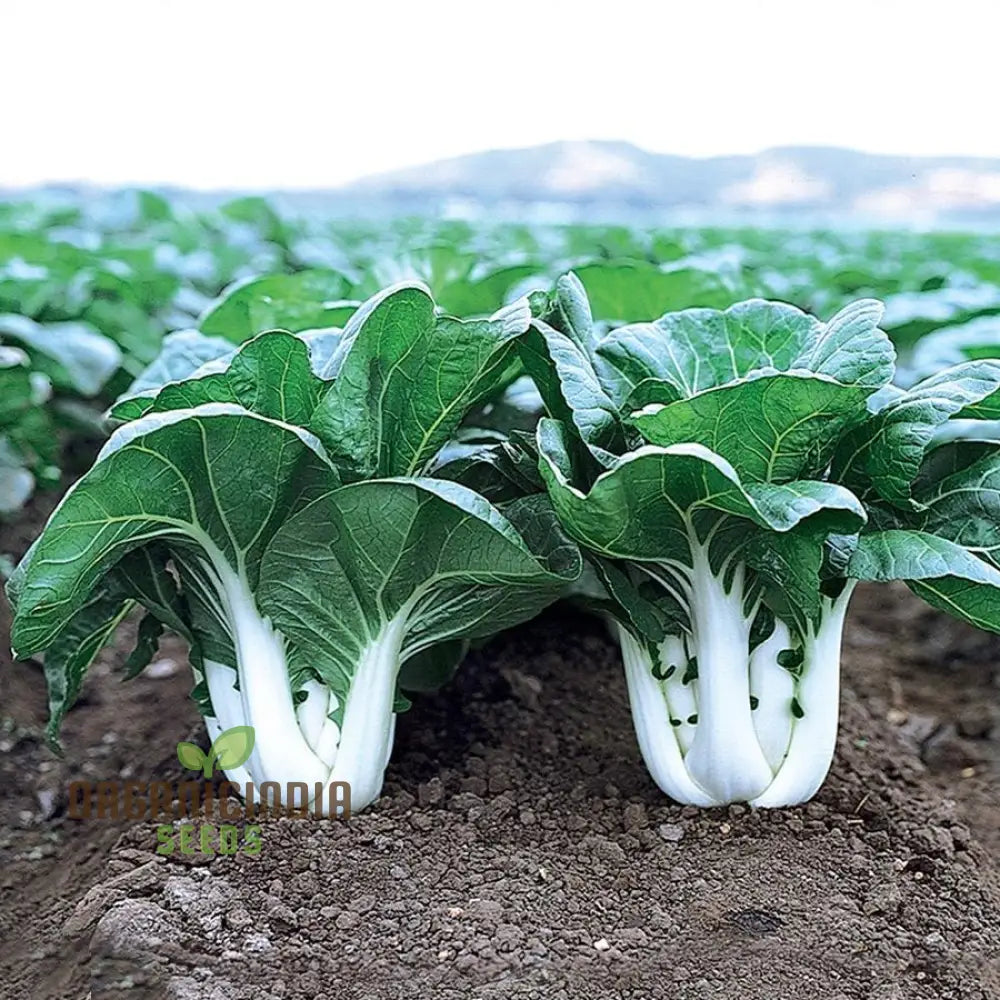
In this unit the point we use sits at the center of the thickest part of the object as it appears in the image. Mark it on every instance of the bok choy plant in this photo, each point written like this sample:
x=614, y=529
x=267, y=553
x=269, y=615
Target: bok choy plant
x=731, y=475
x=273, y=507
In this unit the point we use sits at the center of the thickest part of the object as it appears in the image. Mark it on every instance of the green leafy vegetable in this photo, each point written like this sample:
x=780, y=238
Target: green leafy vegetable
x=219, y=511
x=293, y=302
x=724, y=539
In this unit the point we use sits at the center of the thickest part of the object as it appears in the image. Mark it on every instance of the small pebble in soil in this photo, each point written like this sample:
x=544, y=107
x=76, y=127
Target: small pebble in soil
x=161, y=668
x=634, y=816
x=755, y=922
x=602, y=944
x=46, y=802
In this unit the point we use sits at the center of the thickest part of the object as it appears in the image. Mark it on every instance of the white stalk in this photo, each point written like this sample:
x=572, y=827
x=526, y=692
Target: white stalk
x=388, y=742
x=226, y=700
x=725, y=758
x=814, y=736
x=228, y=707
x=368, y=721
x=651, y=717
x=311, y=713
x=329, y=737
x=681, y=698
x=281, y=751
x=774, y=687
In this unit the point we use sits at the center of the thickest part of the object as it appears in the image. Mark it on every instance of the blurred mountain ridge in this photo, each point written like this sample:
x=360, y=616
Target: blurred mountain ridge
x=789, y=177
x=616, y=182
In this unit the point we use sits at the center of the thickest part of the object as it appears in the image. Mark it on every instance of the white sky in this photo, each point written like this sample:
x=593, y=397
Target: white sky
x=298, y=93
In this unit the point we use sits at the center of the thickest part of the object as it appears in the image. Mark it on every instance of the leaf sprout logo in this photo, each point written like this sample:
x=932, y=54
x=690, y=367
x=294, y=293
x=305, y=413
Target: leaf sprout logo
x=231, y=749
x=179, y=808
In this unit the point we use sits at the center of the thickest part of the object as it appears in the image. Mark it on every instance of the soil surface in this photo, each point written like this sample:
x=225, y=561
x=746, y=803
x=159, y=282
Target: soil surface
x=520, y=850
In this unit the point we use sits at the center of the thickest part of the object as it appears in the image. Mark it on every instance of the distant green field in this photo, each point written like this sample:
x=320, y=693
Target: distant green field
x=89, y=291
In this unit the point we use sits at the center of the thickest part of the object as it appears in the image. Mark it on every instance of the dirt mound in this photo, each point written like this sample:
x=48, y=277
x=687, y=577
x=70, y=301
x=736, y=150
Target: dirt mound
x=521, y=851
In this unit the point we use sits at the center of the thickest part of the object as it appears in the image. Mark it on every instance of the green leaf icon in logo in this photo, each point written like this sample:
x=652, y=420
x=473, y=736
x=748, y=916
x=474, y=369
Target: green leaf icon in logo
x=233, y=747
x=230, y=749
x=190, y=756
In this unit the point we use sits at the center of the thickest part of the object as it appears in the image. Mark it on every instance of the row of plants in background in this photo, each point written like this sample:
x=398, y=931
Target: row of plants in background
x=89, y=290
x=330, y=511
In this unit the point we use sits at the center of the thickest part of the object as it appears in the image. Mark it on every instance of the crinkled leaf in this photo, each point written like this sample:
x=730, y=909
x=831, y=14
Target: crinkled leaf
x=306, y=300
x=642, y=506
x=434, y=552
x=182, y=354
x=964, y=507
x=178, y=475
x=770, y=426
x=565, y=374
x=943, y=573
x=697, y=349
x=884, y=453
x=270, y=375
x=406, y=378
x=566, y=309
x=558, y=353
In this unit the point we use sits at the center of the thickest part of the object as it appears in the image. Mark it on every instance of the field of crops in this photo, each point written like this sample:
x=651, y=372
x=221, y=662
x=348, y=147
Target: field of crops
x=534, y=543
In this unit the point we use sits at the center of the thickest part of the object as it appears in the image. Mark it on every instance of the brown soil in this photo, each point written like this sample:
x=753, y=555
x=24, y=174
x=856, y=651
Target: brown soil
x=520, y=849
x=46, y=862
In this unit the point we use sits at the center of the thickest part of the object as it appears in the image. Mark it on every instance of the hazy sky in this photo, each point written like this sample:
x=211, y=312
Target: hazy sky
x=286, y=93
